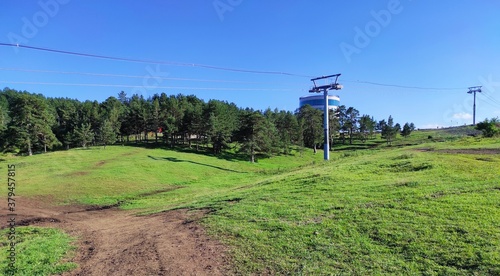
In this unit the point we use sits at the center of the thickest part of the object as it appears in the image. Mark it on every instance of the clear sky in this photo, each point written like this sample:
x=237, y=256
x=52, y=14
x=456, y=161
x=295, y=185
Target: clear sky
x=449, y=45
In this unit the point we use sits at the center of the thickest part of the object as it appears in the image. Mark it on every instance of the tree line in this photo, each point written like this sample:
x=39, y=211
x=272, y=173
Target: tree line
x=33, y=123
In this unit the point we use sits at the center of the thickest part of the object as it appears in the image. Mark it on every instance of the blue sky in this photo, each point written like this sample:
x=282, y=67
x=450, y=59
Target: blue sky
x=449, y=45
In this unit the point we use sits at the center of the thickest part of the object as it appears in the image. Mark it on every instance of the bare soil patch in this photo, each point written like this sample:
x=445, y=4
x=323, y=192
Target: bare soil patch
x=164, y=190
x=471, y=151
x=100, y=163
x=117, y=242
x=80, y=173
x=463, y=151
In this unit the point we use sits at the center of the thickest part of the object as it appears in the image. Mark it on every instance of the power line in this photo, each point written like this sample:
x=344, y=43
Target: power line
x=492, y=100
x=124, y=76
x=489, y=97
x=489, y=103
x=402, y=86
x=173, y=63
x=144, y=86
x=191, y=79
x=185, y=64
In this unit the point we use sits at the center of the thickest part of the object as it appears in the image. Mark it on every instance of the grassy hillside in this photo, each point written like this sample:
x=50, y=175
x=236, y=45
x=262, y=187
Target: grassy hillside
x=139, y=178
x=400, y=211
x=423, y=205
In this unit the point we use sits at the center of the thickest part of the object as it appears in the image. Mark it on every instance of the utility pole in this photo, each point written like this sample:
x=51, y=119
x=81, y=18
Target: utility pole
x=474, y=89
x=324, y=88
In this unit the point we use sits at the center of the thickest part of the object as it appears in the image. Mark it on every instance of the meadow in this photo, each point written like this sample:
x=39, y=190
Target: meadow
x=428, y=204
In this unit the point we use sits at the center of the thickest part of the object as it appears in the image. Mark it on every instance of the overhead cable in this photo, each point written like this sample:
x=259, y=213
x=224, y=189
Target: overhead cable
x=144, y=86
x=172, y=63
x=124, y=76
x=403, y=86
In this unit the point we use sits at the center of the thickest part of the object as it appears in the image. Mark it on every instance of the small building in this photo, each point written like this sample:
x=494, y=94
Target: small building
x=317, y=101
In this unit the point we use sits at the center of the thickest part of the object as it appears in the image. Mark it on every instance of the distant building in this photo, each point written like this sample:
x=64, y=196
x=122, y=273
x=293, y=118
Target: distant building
x=317, y=101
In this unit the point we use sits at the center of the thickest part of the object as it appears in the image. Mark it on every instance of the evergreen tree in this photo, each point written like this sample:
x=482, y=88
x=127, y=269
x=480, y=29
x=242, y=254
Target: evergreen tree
x=333, y=126
x=372, y=124
x=380, y=125
x=138, y=116
x=66, y=113
x=363, y=127
x=312, y=126
x=31, y=124
x=397, y=128
x=89, y=113
x=406, y=131
x=254, y=134
x=122, y=97
x=171, y=117
x=366, y=127
x=46, y=138
x=113, y=111
x=287, y=128
x=220, y=123
x=107, y=134
x=351, y=122
x=154, y=123
x=69, y=139
x=4, y=119
x=193, y=119
x=271, y=136
x=343, y=125
x=389, y=131
x=84, y=134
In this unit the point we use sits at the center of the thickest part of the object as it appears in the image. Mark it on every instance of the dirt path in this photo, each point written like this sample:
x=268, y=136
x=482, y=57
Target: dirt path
x=116, y=242
x=463, y=151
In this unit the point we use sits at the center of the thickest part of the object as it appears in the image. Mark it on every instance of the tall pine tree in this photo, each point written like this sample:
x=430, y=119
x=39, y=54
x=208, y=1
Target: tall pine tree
x=311, y=120
x=31, y=124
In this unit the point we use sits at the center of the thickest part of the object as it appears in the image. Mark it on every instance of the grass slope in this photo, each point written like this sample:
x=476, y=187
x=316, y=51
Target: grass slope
x=392, y=211
x=39, y=251
x=138, y=178
x=412, y=208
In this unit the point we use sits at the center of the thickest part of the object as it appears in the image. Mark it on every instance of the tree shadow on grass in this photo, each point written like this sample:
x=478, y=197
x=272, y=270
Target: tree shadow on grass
x=177, y=160
x=348, y=147
x=228, y=156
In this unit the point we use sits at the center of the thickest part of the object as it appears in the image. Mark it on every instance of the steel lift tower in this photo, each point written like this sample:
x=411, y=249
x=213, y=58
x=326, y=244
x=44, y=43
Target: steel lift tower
x=474, y=89
x=324, y=88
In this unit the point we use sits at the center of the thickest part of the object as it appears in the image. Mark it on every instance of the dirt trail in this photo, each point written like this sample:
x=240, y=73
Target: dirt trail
x=463, y=151
x=116, y=242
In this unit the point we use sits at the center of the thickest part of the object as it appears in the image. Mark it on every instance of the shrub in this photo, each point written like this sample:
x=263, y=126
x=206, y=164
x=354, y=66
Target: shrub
x=489, y=128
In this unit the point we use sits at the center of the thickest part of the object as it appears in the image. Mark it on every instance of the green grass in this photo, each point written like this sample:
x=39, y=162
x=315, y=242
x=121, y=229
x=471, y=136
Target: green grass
x=124, y=174
x=39, y=251
x=395, y=212
x=373, y=209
